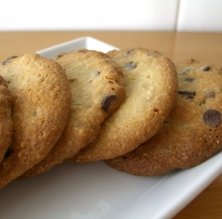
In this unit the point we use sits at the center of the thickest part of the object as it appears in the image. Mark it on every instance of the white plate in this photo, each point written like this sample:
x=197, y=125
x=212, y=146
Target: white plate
x=95, y=191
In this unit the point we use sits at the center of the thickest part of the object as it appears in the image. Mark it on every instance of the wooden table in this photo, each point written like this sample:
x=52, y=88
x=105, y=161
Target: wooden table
x=206, y=47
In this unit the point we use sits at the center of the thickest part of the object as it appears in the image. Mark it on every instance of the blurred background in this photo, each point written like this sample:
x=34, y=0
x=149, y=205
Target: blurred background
x=151, y=15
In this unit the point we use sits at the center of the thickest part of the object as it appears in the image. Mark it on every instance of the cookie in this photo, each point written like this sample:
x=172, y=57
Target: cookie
x=42, y=97
x=5, y=118
x=191, y=134
x=151, y=86
x=97, y=90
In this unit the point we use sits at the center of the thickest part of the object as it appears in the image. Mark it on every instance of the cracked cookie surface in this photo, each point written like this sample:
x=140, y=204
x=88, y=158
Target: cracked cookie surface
x=97, y=87
x=191, y=134
x=151, y=86
x=41, y=103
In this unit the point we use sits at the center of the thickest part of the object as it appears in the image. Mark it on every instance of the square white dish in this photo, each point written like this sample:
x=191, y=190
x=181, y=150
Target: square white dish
x=96, y=191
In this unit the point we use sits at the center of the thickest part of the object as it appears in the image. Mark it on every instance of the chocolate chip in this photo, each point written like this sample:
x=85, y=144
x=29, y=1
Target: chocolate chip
x=189, y=79
x=106, y=102
x=212, y=118
x=129, y=66
x=8, y=60
x=187, y=94
x=210, y=94
x=206, y=68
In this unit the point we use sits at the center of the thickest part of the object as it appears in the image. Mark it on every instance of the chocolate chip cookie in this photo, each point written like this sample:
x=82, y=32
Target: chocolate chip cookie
x=96, y=83
x=191, y=134
x=41, y=104
x=5, y=118
x=151, y=86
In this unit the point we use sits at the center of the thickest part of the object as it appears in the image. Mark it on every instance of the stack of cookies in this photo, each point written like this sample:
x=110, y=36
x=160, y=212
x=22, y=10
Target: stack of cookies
x=132, y=108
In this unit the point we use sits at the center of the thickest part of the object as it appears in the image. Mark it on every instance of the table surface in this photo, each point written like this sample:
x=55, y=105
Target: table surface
x=206, y=47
